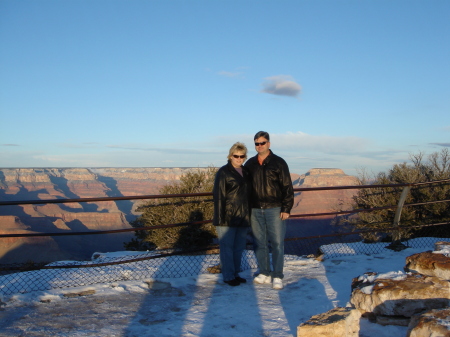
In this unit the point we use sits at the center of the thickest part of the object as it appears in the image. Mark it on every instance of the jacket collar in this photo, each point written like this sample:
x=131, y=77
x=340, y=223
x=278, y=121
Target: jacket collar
x=230, y=166
x=233, y=169
x=267, y=159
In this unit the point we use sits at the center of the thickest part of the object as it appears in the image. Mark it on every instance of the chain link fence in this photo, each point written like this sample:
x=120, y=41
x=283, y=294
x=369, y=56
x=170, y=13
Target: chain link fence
x=129, y=266
x=132, y=265
x=333, y=245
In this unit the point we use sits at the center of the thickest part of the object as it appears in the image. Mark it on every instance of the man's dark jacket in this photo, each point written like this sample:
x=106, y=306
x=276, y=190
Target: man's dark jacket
x=272, y=184
x=231, y=197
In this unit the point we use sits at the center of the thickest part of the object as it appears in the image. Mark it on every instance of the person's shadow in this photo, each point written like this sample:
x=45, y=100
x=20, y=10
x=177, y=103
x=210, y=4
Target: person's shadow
x=309, y=293
x=302, y=298
x=168, y=308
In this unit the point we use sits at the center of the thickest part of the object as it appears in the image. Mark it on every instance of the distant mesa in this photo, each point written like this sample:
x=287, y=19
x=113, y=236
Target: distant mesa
x=324, y=201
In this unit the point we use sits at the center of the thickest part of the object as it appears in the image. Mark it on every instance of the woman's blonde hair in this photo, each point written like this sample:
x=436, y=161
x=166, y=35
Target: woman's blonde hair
x=237, y=147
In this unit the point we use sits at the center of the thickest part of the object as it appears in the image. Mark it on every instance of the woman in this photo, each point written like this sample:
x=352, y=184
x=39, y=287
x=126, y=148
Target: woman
x=232, y=187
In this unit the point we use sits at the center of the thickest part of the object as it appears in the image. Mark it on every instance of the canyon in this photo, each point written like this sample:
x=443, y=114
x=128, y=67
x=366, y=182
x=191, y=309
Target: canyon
x=24, y=184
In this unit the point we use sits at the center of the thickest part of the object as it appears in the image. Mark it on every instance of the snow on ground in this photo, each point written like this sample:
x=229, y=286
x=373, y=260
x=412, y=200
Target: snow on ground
x=199, y=305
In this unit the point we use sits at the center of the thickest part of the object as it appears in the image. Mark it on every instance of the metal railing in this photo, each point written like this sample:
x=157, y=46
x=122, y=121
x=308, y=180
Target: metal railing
x=398, y=207
x=156, y=263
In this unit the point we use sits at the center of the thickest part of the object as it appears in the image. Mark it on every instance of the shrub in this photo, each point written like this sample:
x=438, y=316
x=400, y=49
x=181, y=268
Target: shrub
x=436, y=167
x=166, y=211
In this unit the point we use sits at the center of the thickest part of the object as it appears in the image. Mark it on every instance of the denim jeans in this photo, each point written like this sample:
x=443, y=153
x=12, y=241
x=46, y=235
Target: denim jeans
x=232, y=242
x=267, y=226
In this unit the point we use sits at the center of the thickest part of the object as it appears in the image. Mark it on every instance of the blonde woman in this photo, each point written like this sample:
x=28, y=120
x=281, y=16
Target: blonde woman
x=232, y=188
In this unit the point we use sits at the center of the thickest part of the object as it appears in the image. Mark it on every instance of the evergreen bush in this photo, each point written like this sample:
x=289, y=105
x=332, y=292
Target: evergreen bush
x=436, y=167
x=177, y=210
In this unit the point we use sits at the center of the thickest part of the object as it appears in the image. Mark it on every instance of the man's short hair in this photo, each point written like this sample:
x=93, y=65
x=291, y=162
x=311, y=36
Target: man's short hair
x=263, y=134
x=237, y=147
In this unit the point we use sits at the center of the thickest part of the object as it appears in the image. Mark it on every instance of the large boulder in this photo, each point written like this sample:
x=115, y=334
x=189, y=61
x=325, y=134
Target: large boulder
x=429, y=263
x=434, y=323
x=442, y=247
x=337, y=322
x=399, y=294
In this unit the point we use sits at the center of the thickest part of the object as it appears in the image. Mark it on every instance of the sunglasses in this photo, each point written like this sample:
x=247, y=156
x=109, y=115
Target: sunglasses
x=262, y=143
x=237, y=156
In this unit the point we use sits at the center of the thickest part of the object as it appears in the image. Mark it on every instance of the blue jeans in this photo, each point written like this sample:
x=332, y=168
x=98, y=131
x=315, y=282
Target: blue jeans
x=267, y=226
x=232, y=242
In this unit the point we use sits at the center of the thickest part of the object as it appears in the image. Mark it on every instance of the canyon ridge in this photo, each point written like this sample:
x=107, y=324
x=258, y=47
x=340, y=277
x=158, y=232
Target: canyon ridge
x=20, y=184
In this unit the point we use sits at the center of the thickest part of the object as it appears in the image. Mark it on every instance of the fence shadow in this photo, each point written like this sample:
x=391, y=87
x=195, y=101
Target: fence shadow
x=208, y=291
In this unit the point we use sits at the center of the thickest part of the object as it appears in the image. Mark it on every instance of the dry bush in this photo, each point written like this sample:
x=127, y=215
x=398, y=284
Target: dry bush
x=166, y=211
x=436, y=167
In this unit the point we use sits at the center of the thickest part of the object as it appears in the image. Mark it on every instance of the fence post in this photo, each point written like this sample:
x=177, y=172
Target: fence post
x=396, y=243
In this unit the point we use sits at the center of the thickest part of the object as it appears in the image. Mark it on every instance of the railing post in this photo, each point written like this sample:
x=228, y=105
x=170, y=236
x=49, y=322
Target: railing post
x=396, y=243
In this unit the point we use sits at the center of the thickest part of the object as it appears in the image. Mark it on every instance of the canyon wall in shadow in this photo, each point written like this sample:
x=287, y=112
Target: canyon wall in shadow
x=19, y=184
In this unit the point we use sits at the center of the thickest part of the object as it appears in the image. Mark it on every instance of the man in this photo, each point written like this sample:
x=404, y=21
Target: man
x=271, y=201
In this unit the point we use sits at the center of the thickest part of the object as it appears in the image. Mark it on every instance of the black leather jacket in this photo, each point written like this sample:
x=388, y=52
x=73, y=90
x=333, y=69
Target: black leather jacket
x=272, y=184
x=231, y=197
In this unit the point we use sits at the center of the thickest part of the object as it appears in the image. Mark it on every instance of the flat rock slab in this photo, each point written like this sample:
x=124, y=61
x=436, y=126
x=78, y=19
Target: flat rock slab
x=337, y=322
x=429, y=263
x=433, y=323
x=402, y=296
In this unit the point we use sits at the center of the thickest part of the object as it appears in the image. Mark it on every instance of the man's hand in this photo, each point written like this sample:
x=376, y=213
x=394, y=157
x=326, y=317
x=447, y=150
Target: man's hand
x=284, y=216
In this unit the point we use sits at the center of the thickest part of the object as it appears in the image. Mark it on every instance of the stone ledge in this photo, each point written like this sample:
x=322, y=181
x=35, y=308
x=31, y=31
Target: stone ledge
x=337, y=322
x=430, y=324
x=405, y=296
x=429, y=263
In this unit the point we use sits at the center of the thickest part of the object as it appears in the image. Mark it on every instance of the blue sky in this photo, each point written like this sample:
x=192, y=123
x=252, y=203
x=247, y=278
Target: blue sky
x=340, y=84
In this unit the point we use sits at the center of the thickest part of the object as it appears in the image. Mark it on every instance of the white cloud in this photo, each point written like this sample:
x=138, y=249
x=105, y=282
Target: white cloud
x=301, y=142
x=166, y=149
x=79, y=145
x=282, y=85
x=230, y=74
x=441, y=144
x=62, y=159
x=325, y=144
x=303, y=151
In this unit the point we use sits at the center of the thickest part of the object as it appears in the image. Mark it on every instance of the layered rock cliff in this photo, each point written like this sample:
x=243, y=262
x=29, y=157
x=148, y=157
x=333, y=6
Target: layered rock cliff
x=326, y=200
x=71, y=183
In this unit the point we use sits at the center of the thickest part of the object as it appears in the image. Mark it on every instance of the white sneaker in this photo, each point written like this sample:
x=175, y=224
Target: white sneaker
x=277, y=283
x=262, y=279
